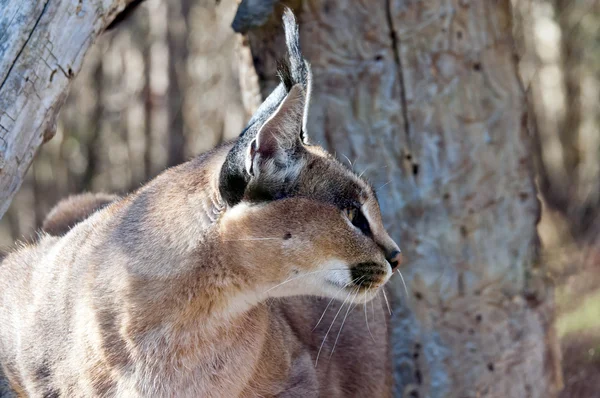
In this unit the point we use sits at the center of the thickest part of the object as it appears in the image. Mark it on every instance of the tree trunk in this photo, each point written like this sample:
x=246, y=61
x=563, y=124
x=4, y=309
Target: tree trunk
x=572, y=54
x=577, y=195
x=94, y=144
x=424, y=98
x=42, y=46
x=178, y=14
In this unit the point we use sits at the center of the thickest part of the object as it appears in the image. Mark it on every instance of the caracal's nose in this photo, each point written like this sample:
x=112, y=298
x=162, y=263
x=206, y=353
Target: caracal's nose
x=395, y=259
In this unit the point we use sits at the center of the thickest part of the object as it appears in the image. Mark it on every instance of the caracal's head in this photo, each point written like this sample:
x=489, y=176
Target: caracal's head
x=300, y=220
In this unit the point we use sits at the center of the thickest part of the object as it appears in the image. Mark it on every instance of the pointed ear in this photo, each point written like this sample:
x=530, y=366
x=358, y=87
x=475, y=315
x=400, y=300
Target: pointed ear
x=279, y=136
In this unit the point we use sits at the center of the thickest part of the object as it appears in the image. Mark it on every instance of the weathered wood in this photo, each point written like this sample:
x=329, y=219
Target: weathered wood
x=424, y=98
x=42, y=46
x=252, y=14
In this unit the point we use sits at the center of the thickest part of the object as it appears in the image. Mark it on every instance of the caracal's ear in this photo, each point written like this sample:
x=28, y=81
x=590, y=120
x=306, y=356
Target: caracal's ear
x=299, y=68
x=274, y=150
x=267, y=156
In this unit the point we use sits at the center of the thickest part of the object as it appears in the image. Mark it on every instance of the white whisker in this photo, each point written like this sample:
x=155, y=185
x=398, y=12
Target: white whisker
x=389, y=182
x=330, y=326
x=380, y=302
x=351, y=166
x=344, y=321
x=403, y=283
x=333, y=298
x=250, y=239
x=373, y=308
x=331, y=301
x=367, y=318
x=301, y=276
x=386, y=301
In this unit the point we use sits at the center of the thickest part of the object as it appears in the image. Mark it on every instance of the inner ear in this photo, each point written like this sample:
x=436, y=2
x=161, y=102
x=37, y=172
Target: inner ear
x=280, y=134
x=282, y=130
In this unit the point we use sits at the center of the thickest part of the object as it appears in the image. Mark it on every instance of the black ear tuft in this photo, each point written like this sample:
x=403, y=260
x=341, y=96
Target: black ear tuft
x=285, y=74
x=298, y=66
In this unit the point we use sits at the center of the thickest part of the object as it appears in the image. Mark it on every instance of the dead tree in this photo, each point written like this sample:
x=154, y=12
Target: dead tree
x=42, y=46
x=424, y=98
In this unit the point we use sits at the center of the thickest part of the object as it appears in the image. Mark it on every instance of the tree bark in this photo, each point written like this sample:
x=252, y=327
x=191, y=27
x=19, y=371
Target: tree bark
x=424, y=97
x=42, y=46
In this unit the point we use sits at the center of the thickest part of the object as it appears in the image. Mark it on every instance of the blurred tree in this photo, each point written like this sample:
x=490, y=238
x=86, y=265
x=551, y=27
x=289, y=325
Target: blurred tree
x=178, y=13
x=37, y=64
x=93, y=140
x=424, y=99
x=572, y=49
x=579, y=197
x=159, y=88
x=560, y=58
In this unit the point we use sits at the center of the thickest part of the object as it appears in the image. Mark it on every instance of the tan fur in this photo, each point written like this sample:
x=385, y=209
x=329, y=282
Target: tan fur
x=164, y=294
x=73, y=210
x=207, y=282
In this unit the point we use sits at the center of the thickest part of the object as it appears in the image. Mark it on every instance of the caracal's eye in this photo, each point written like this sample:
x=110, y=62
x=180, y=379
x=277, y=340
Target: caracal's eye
x=351, y=213
x=358, y=219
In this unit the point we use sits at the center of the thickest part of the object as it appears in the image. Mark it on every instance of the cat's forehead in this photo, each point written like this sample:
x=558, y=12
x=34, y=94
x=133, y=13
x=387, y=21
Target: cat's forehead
x=324, y=178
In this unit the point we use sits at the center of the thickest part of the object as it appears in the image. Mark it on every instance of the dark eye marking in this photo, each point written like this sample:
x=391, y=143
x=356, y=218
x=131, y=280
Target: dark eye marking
x=358, y=219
